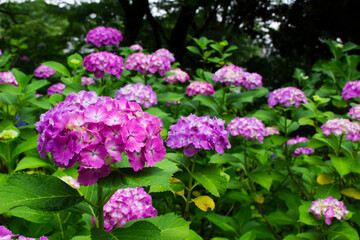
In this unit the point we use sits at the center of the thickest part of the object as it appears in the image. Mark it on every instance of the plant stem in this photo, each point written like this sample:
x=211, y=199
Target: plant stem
x=90, y=203
x=61, y=225
x=339, y=147
x=297, y=184
x=190, y=188
x=100, y=207
x=245, y=160
x=267, y=222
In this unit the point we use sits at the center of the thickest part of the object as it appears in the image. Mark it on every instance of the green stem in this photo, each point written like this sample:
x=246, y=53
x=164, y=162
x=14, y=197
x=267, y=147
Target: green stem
x=145, y=79
x=286, y=135
x=61, y=225
x=297, y=184
x=339, y=147
x=245, y=159
x=90, y=203
x=190, y=188
x=100, y=205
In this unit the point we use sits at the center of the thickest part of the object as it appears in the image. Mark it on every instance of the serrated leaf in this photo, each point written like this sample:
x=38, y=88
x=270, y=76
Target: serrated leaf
x=169, y=96
x=224, y=158
x=251, y=235
x=31, y=214
x=27, y=145
x=58, y=67
x=306, y=217
x=207, y=101
x=31, y=162
x=35, y=85
x=342, y=231
x=193, y=236
x=324, y=179
x=224, y=222
x=212, y=180
x=351, y=192
x=261, y=178
x=343, y=165
x=204, y=202
x=194, y=50
x=56, y=98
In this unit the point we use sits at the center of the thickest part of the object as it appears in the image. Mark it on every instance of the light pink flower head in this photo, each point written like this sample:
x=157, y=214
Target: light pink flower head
x=250, y=128
x=340, y=126
x=8, y=77
x=138, y=92
x=179, y=75
x=147, y=64
x=230, y=75
x=197, y=87
x=136, y=47
x=354, y=112
x=163, y=52
x=329, y=208
x=87, y=81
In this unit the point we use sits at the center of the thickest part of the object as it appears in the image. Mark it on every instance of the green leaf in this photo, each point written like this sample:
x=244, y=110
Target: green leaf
x=56, y=98
x=265, y=115
x=325, y=191
x=157, y=112
x=329, y=141
x=306, y=217
x=193, y=236
x=342, y=231
x=194, y=50
x=42, y=103
x=27, y=145
x=226, y=223
x=9, y=88
x=75, y=60
x=31, y=214
x=8, y=98
x=181, y=160
x=58, y=67
x=343, y=165
x=251, y=235
x=225, y=158
x=207, y=101
x=169, y=96
x=31, y=162
x=21, y=78
x=35, y=85
x=212, y=180
x=261, y=178
x=279, y=218
x=39, y=192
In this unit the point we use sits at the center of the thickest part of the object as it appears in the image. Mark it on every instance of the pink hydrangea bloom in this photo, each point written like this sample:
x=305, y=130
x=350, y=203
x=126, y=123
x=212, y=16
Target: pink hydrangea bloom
x=197, y=87
x=287, y=96
x=194, y=133
x=252, y=80
x=6, y=234
x=43, y=71
x=8, y=77
x=136, y=47
x=296, y=140
x=138, y=92
x=56, y=88
x=147, y=64
x=163, y=52
x=351, y=90
x=329, y=208
x=340, y=126
x=101, y=62
x=179, y=75
x=271, y=131
x=87, y=81
x=302, y=150
x=230, y=75
x=250, y=128
x=354, y=112
x=125, y=205
x=102, y=36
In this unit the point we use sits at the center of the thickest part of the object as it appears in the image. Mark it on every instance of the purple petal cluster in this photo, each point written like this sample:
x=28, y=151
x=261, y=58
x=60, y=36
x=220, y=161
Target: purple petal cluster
x=138, y=92
x=296, y=140
x=125, y=205
x=8, y=77
x=329, y=208
x=354, y=112
x=101, y=62
x=250, y=128
x=43, y=71
x=56, y=88
x=163, y=52
x=194, y=133
x=87, y=81
x=198, y=87
x=287, y=96
x=6, y=234
x=252, y=80
x=271, y=131
x=301, y=150
x=94, y=131
x=136, y=47
x=148, y=64
x=102, y=36
x=351, y=90
x=179, y=75
x=340, y=126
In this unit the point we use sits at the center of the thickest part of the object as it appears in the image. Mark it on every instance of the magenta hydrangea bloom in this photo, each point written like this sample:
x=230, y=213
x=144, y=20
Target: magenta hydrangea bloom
x=250, y=128
x=87, y=81
x=252, y=80
x=340, y=126
x=28, y=238
x=351, y=90
x=102, y=36
x=197, y=87
x=8, y=77
x=6, y=234
x=43, y=71
x=354, y=112
x=302, y=150
x=179, y=75
x=194, y=133
x=163, y=52
x=329, y=208
x=271, y=131
x=147, y=64
x=125, y=205
x=287, y=96
x=296, y=140
x=56, y=88
x=94, y=131
x=136, y=47
x=138, y=92
x=101, y=62
x=230, y=75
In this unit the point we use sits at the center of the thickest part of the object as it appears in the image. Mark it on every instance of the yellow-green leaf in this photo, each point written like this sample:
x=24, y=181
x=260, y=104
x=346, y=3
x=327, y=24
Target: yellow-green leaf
x=351, y=192
x=324, y=179
x=204, y=202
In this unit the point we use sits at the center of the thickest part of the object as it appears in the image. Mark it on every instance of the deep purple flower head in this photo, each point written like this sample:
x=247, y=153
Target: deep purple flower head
x=163, y=52
x=102, y=36
x=250, y=128
x=179, y=75
x=287, y=96
x=194, y=133
x=101, y=62
x=136, y=47
x=87, y=81
x=252, y=80
x=138, y=92
x=340, y=126
x=6, y=234
x=329, y=208
x=125, y=205
x=43, y=71
x=351, y=90
x=301, y=150
x=354, y=112
x=197, y=87
x=7, y=77
x=147, y=64
x=230, y=75
x=56, y=88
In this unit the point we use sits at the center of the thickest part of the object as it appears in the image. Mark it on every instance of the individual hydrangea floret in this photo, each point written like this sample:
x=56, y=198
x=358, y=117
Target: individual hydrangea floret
x=87, y=81
x=43, y=71
x=73, y=182
x=138, y=92
x=250, y=128
x=252, y=80
x=147, y=64
x=56, y=88
x=354, y=112
x=163, y=52
x=102, y=36
x=341, y=126
x=94, y=131
x=198, y=87
x=136, y=47
x=329, y=208
x=8, y=77
x=351, y=90
x=125, y=205
x=230, y=75
x=194, y=133
x=288, y=96
x=271, y=131
x=101, y=62
x=178, y=76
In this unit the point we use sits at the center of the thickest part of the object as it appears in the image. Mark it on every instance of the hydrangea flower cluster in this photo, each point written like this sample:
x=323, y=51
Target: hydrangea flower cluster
x=252, y=80
x=8, y=77
x=125, y=205
x=6, y=234
x=136, y=47
x=354, y=112
x=102, y=36
x=250, y=128
x=43, y=71
x=146, y=64
x=340, y=126
x=163, y=52
x=296, y=140
x=196, y=133
x=56, y=88
x=140, y=93
x=271, y=131
x=288, y=96
x=351, y=90
x=179, y=75
x=330, y=208
x=301, y=150
x=87, y=81
x=198, y=87
x=94, y=131
x=101, y=62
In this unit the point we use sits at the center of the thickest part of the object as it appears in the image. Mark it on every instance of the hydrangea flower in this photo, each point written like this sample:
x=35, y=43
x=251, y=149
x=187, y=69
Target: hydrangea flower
x=140, y=93
x=179, y=75
x=351, y=90
x=147, y=64
x=125, y=205
x=73, y=182
x=194, y=133
x=296, y=140
x=287, y=96
x=271, y=131
x=340, y=126
x=136, y=47
x=197, y=87
x=43, y=71
x=8, y=77
x=87, y=81
x=301, y=150
x=230, y=75
x=329, y=208
x=163, y=52
x=25, y=58
x=250, y=128
x=94, y=131
x=101, y=62
x=354, y=112
x=102, y=36
x=252, y=80
x=56, y=88
x=6, y=234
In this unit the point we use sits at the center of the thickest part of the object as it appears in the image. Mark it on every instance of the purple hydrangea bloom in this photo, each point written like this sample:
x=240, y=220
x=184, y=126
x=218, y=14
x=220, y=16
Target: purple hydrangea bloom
x=351, y=90
x=354, y=112
x=102, y=36
x=296, y=140
x=179, y=75
x=163, y=52
x=340, y=126
x=287, y=96
x=147, y=64
x=250, y=128
x=28, y=238
x=138, y=92
x=125, y=205
x=136, y=47
x=329, y=208
x=101, y=62
x=197, y=87
x=25, y=58
x=43, y=71
x=301, y=150
x=56, y=88
x=194, y=133
x=7, y=77
x=252, y=80
x=87, y=81
x=230, y=75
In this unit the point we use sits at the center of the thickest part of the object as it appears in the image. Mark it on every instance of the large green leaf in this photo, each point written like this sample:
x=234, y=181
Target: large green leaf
x=306, y=217
x=342, y=231
x=21, y=78
x=29, y=144
x=224, y=158
x=11, y=89
x=261, y=178
x=212, y=179
x=251, y=235
x=35, y=85
x=207, y=101
x=31, y=162
x=265, y=115
x=279, y=218
x=326, y=191
x=58, y=67
x=31, y=214
x=343, y=165
x=169, y=96
x=226, y=223
x=8, y=98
